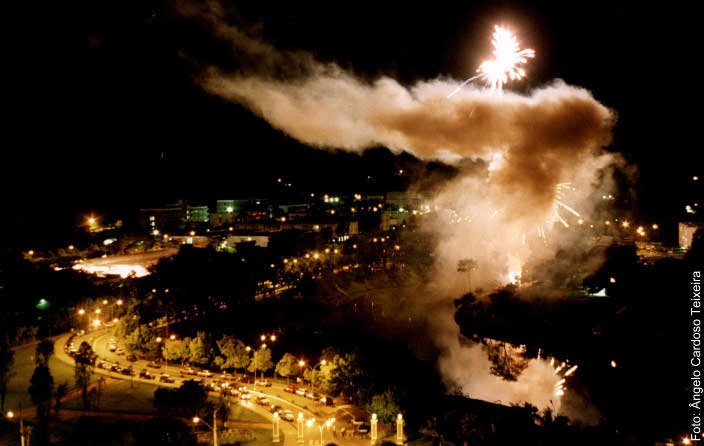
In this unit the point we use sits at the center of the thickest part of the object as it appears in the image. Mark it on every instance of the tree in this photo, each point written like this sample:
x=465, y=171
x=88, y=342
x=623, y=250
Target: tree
x=175, y=350
x=384, y=405
x=41, y=389
x=85, y=360
x=143, y=339
x=199, y=350
x=234, y=353
x=44, y=351
x=261, y=361
x=287, y=366
x=185, y=401
x=7, y=360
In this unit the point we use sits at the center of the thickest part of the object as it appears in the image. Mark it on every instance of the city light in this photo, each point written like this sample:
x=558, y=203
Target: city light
x=96, y=323
x=81, y=311
x=196, y=420
x=97, y=311
x=301, y=363
x=119, y=301
x=172, y=337
x=10, y=414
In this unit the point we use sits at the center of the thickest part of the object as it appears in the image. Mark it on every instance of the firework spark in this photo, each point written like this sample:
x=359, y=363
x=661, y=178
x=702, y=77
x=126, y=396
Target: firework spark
x=506, y=64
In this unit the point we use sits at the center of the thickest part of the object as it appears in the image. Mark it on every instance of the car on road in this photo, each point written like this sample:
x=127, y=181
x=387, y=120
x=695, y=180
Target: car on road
x=290, y=388
x=363, y=429
x=301, y=392
x=262, y=401
x=131, y=357
x=205, y=373
x=187, y=371
x=287, y=415
x=104, y=365
x=263, y=383
x=245, y=395
x=328, y=401
x=234, y=392
x=120, y=351
x=128, y=371
x=153, y=365
x=144, y=373
x=165, y=378
x=274, y=408
x=112, y=346
x=115, y=368
x=312, y=396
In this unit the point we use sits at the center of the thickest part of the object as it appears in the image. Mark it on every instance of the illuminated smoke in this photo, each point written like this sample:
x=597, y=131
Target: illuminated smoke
x=530, y=145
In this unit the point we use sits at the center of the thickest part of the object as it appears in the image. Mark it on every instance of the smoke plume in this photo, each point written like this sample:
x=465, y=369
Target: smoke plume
x=536, y=148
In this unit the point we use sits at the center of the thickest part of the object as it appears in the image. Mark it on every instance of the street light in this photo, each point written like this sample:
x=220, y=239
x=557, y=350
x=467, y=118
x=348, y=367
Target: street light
x=214, y=427
x=321, y=426
x=302, y=364
x=24, y=432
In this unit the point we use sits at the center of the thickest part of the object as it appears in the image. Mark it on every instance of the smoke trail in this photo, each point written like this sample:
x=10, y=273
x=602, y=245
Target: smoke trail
x=528, y=143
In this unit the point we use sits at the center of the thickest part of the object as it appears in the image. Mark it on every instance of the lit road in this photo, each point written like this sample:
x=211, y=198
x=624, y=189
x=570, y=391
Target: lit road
x=99, y=340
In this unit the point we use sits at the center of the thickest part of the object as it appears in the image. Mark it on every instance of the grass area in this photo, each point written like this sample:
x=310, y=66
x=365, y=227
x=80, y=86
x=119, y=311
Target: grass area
x=17, y=393
x=239, y=413
x=249, y=437
x=121, y=396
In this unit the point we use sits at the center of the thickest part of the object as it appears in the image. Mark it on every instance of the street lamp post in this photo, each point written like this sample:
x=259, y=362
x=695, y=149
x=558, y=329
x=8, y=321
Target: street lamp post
x=374, y=432
x=214, y=427
x=24, y=432
x=302, y=364
x=321, y=426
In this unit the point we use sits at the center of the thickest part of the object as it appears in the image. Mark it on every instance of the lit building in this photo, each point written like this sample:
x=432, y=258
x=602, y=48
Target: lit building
x=686, y=231
x=197, y=214
x=161, y=218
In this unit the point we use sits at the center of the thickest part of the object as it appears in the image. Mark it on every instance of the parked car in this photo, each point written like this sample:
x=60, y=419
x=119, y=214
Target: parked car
x=290, y=388
x=328, y=401
x=127, y=371
x=187, y=371
x=205, y=373
x=363, y=429
x=312, y=396
x=112, y=347
x=115, y=368
x=287, y=415
x=262, y=401
x=104, y=365
x=165, y=378
x=153, y=365
x=301, y=392
x=145, y=374
x=263, y=383
x=131, y=357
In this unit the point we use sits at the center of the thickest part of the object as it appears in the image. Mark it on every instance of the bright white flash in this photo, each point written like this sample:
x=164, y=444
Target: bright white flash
x=507, y=61
x=506, y=64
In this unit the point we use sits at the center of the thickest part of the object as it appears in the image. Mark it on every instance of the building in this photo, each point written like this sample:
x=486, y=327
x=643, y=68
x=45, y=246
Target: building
x=686, y=231
x=165, y=218
x=197, y=214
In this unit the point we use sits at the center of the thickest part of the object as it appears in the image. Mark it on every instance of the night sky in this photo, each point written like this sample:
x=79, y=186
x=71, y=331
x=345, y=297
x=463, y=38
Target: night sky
x=101, y=110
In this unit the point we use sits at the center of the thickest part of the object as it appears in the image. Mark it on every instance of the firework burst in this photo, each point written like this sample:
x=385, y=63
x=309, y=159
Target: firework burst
x=506, y=64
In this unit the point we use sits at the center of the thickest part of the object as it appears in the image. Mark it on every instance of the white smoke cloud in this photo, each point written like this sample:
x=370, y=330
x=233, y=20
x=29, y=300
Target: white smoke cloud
x=530, y=144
